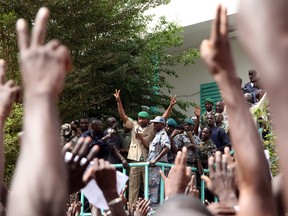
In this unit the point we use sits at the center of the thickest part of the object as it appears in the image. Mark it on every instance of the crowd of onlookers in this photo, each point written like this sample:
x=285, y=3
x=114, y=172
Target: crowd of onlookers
x=43, y=180
x=159, y=139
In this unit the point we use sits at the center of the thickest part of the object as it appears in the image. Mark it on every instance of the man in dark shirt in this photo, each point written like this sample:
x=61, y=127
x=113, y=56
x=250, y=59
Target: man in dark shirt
x=96, y=133
x=113, y=143
x=218, y=136
x=250, y=86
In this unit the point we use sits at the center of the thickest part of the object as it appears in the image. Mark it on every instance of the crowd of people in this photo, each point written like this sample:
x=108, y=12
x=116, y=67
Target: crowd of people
x=43, y=180
x=159, y=139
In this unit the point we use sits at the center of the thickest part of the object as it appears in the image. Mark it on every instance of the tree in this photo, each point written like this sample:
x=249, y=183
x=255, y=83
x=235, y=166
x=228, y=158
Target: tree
x=268, y=137
x=111, y=48
x=12, y=127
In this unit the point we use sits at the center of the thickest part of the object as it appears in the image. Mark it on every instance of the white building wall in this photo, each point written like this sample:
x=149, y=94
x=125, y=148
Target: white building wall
x=187, y=85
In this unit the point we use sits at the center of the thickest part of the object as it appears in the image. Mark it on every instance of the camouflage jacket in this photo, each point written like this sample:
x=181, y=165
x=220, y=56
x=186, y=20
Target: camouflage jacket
x=206, y=149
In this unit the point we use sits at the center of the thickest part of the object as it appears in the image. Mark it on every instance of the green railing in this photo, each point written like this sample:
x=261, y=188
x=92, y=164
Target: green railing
x=146, y=189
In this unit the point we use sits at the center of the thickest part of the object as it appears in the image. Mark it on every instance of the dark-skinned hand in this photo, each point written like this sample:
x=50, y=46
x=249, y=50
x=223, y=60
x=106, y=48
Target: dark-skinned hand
x=179, y=175
x=76, y=170
x=105, y=176
x=8, y=92
x=191, y=188
x=221, y=180
x=142, y=208
x=219, y=209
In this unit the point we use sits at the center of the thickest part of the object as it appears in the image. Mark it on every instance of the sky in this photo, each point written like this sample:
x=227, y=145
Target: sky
x=188, y=12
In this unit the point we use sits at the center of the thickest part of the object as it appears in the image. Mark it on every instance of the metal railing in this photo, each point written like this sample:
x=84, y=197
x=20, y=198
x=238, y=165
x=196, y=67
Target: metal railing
x=146, y=189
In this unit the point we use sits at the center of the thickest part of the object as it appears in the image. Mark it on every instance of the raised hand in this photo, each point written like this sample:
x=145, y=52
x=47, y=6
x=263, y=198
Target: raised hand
x=178, y=177
x=43, y=66
x=117, y=94
x=74, y=208
x=255, y=190
x=8, y=92
x=269, y=54
x=221, y=180
x=105, y=176
x=122, y=195
x=76, y=177
x=220, y=209
x=230, y=159
x=191, y=188
x=142, y=208
x=216, y=51
x=197, y=111
x=175, y=133
x=173, y=100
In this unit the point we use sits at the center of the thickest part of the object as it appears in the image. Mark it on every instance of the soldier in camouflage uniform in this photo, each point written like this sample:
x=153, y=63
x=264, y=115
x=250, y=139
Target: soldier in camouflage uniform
x=209, y=110
x=194, y=142
x=171, y=129
x=206, y=148
x=179, y=139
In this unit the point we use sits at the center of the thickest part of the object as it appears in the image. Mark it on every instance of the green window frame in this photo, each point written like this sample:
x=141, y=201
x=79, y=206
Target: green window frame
x=209, y=90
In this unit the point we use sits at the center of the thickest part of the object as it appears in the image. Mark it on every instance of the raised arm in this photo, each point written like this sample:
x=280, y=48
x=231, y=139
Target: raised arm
x=174, y=148
x=255, y=190
x=121, y=111
x=8, y=92
x=169, y=109
x=197, y=122
x=39, y=184
x=270, y=55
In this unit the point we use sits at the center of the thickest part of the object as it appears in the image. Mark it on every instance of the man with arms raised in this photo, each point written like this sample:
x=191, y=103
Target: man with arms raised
x=142, y=134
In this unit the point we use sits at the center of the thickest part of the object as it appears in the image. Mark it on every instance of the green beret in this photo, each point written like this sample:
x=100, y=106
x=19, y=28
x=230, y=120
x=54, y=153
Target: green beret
x=209, y=100
x=143, y=114
x=189, y=121
x=171, y=122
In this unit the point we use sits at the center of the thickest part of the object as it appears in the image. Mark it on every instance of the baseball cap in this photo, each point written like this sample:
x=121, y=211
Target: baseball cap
x=171, y=122
x=143, y=114
x=159, y=119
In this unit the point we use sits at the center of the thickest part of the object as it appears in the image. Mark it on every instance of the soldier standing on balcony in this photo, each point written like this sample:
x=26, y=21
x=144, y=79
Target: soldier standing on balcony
x=158, y=149
x=142, y=133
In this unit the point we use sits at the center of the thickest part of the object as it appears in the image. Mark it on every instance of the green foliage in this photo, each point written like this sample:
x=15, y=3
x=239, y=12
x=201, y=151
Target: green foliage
x=13, y=126
x=111, y=47
x=269, y=139
x=8, y=48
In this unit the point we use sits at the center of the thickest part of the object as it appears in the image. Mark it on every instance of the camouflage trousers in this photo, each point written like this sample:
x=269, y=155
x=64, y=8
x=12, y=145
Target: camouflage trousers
x=154, y=185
